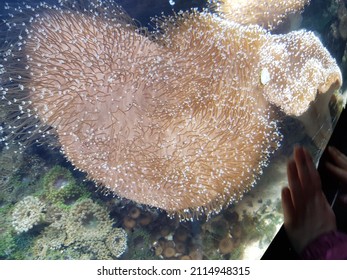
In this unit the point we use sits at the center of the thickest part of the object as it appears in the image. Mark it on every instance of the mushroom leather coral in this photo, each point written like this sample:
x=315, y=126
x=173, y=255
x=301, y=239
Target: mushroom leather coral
x=173, y=124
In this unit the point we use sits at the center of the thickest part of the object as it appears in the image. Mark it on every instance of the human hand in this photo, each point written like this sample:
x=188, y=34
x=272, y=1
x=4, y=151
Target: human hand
x=337, y=165
x=307, y=213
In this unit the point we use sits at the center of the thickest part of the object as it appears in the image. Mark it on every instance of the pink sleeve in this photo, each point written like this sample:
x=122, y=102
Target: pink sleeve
x=328, y=246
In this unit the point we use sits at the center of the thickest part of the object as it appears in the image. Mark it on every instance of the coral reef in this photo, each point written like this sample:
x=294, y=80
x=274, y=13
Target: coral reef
x=87, y=222
x=193, y=136
x=60, y=187
x=107, y=227
x=226, y=245
x=27, y=213
x=116, y=242
x=82, y=231
x=229, y=235
x=10, y=163
x=140, y=245
x=7, y=242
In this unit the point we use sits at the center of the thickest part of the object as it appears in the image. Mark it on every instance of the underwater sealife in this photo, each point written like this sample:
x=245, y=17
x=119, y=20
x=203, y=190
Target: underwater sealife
x=89, y=228
x=7, y=244
x=134, y=212
x=169, y=252
x=318, y=73
x=226, y=245
x=61, y=188
x=7, y=238
x=139, y=245
x=10, y=163
x=266, y=13
x=87, y=221
x=27, y=213
x=51, y=239
x=82, y=231
x=116, y=242
x=129, y=223
x=288, y=70
x=181, y=119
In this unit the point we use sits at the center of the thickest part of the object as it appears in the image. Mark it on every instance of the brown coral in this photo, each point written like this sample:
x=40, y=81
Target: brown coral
x=169, y=252
x=226, y=245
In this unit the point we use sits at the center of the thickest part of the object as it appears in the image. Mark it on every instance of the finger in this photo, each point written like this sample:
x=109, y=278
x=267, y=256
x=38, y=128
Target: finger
x=339, y=158
x=340, y=173
x=302, y=169
x=288, y=207
x=314, y=184
x=343, y=199
x=294, y=185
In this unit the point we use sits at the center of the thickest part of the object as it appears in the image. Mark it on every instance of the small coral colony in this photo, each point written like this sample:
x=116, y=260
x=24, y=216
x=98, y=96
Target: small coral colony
x=164, y=131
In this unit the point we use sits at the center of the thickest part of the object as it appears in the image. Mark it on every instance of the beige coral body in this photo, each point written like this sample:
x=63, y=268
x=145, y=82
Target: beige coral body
x=300, y=67
x=156, y=126
x=266, y=13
